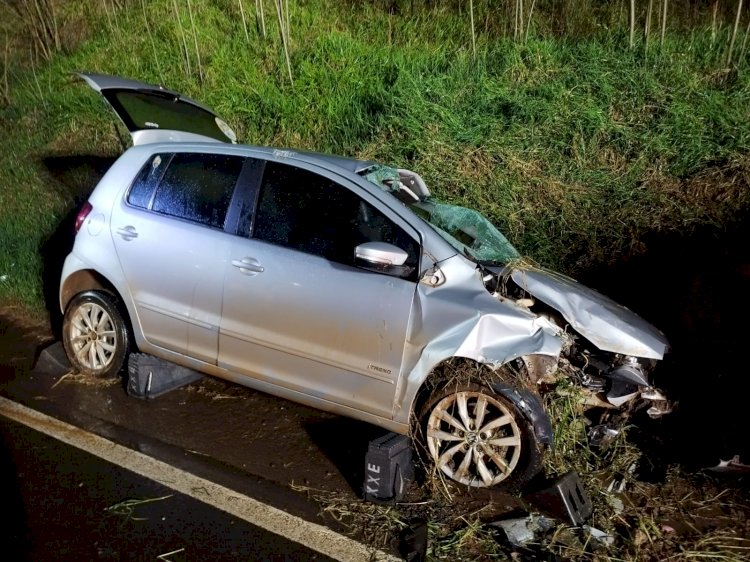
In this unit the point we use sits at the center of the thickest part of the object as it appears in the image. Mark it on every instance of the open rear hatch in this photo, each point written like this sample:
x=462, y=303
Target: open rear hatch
x=154, y=114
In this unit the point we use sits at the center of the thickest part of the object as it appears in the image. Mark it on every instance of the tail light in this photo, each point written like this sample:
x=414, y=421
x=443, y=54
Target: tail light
x=82, y=214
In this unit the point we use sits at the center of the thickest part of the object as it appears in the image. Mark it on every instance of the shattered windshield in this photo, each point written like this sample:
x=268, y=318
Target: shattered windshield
x=467, y=230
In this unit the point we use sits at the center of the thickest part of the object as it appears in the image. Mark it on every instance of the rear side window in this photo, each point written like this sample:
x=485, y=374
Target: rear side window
x=191, y=186
x=147, y=180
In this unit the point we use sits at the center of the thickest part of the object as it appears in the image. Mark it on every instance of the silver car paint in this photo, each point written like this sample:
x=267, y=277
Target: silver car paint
x=152, y=136
x=99, y=82
x=605, y=323
x=457, y=318
x=461, y=319
x=308, y=324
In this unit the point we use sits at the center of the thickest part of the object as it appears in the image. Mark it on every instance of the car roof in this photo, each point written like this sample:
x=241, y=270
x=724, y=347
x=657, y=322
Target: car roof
x=349, y=164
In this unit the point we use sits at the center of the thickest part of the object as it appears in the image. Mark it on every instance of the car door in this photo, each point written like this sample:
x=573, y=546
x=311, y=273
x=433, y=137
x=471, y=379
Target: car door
x=297, y=312
x=170, y=240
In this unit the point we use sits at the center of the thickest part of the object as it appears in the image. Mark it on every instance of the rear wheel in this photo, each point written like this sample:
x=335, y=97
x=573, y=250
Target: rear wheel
x=95, y=335
x=479, y=438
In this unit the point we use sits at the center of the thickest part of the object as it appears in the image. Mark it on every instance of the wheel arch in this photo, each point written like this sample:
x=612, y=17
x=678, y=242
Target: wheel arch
x=511, y=380
x=81, y=281
x=84, y=280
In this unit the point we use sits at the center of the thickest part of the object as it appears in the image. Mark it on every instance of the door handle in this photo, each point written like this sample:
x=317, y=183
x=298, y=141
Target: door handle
x=127, y=233
x=248, y=266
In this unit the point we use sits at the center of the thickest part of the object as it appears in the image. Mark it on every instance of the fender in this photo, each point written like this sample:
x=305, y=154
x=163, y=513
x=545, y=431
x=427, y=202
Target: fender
x=531, y=407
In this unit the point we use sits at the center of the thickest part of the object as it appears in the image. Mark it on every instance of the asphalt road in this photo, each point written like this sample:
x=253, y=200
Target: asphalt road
x=217, y=477
x=62, y=503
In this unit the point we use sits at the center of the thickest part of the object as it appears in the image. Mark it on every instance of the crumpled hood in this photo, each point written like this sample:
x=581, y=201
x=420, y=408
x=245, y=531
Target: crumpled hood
x=606, y=324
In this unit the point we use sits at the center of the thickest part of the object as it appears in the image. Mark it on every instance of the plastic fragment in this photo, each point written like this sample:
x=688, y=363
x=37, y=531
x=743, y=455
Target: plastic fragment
x=733, y=465
x=600, y=535
x=522, y=530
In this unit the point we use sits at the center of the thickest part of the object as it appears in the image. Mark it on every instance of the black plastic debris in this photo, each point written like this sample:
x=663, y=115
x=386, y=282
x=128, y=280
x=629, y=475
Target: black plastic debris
x=565, y=499
x=388, y=468
x=149, y=376
x=53, y=359
x=413, y=544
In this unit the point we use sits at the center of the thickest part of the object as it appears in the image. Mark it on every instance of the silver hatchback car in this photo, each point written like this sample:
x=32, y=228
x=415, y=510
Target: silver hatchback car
x=338, y=283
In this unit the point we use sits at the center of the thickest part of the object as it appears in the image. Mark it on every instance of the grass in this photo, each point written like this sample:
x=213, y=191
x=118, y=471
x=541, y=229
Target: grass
x=126, y=508
x=574, y=148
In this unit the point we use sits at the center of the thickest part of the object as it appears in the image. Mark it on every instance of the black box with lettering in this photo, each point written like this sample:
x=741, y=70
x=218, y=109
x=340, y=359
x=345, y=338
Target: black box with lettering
x=388, y=468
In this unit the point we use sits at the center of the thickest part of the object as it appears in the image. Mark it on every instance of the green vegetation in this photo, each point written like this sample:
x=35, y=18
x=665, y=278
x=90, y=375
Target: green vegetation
x=573, y=145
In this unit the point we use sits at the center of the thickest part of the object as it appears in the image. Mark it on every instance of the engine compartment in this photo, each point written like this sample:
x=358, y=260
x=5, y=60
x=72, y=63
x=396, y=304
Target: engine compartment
x=615, y=385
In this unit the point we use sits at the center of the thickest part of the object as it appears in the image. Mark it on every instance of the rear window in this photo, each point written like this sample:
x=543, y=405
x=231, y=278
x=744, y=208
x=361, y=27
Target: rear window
x=150, y=111
x=191, y=186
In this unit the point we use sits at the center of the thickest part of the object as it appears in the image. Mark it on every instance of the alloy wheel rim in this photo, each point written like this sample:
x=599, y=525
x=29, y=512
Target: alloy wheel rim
x=474, y=439
x=93, y=337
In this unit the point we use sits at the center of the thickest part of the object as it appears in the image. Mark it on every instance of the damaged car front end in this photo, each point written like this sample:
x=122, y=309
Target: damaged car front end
x=536, y=327
x=608, y=349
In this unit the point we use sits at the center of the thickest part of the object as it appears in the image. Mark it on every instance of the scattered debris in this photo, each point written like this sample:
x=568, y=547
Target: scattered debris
x=732, y=466
x=619, y=482
x=85, y=380
x=565, y=499
x=602, y=435
x=599, y=535
x=126, y=508
x=522, y=530
x=615, y=503
x=167, y=554
x=378, y=523
x=62, y=378
x=217, y=389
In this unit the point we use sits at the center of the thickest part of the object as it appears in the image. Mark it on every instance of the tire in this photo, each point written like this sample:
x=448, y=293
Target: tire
x=499, y=449
x=95, y=335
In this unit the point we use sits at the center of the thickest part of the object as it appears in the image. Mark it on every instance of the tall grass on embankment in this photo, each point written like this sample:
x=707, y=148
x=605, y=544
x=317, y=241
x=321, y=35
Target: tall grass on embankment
x=574, y=144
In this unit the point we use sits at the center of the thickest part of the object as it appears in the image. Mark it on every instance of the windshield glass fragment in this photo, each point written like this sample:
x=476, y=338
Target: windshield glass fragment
x=467, y=230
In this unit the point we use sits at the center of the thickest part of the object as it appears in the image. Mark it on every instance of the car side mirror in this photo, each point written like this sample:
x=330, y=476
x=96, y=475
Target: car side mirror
x=382, y=258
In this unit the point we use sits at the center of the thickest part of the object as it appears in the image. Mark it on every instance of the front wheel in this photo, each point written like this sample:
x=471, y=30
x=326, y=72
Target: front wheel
x=95, y=335
x=479, y=438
